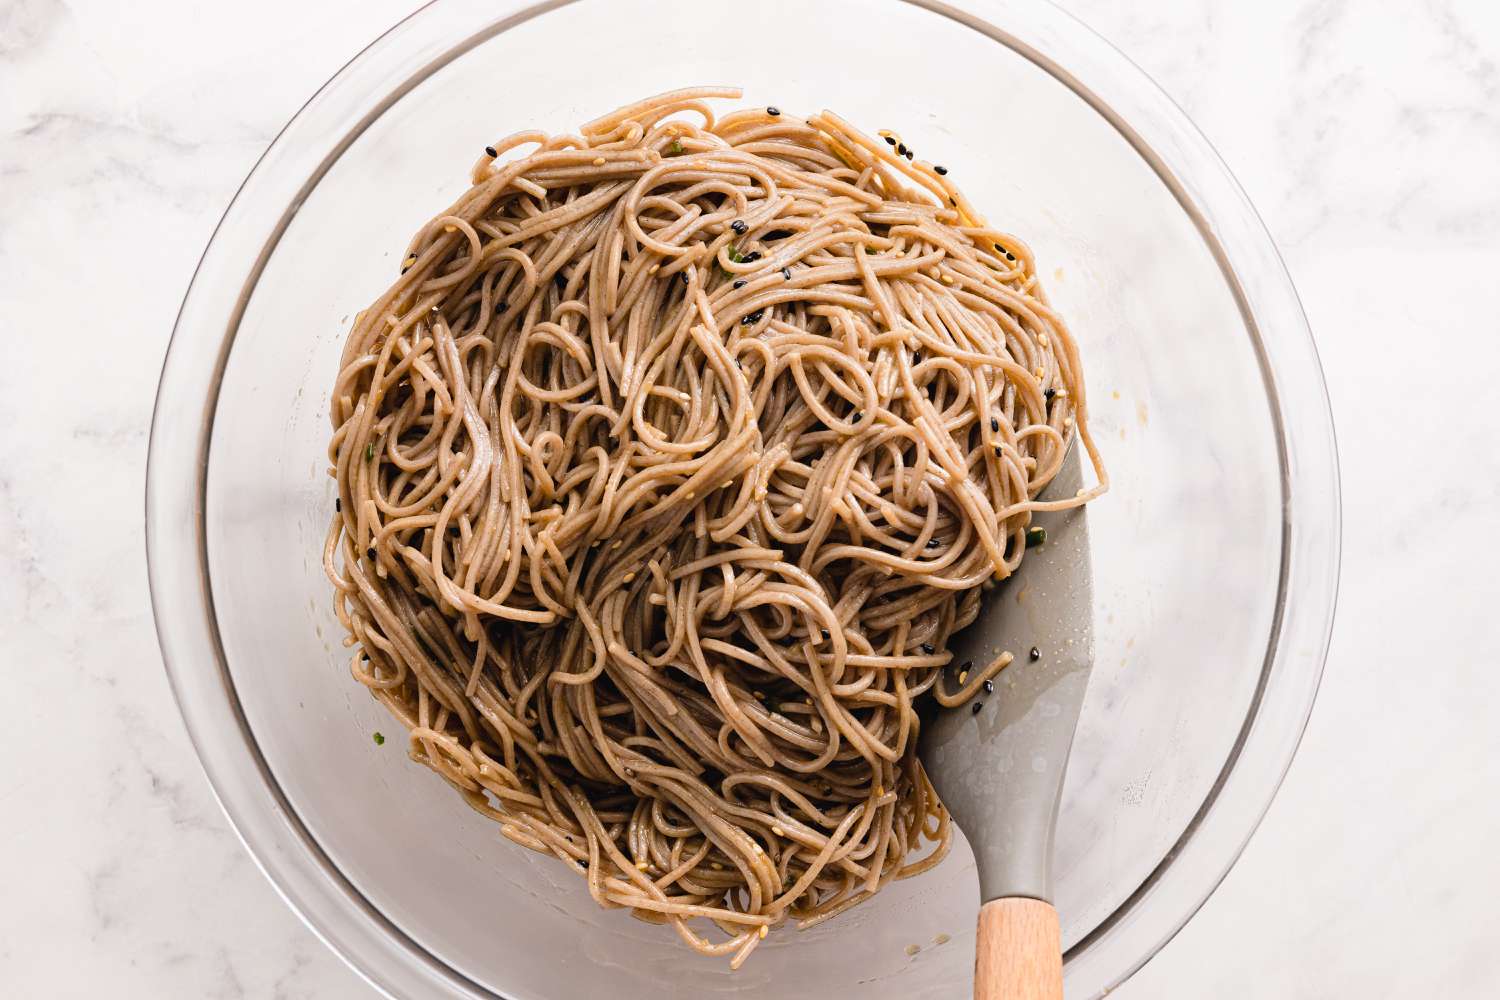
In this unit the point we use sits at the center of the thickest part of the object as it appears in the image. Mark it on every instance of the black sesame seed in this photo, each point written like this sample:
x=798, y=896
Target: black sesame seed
x=786, y=273
x=994, y=424
x=746, y=320
x=826, y=635
x=757, y=315
x=927, y=648
x=999, y=451
x=940, y=169
x=1036, y=654
x=490, y=152
x=773, y=111
x=989, y=687
x=502, y=307
x=752, y=257
x=933, y=543
x=338, y=505
x=977, y=706
x=890, y=140
x=901, y=149
x=1009, y=255
x=684, y=277
x=908, y=154
x=739, y=283
x=968, y=665
x=738, y=226
x=1050, y=392
x=370, y=552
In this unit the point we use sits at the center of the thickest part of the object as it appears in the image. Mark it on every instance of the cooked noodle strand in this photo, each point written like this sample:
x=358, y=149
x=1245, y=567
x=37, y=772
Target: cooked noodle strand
x=666, y=469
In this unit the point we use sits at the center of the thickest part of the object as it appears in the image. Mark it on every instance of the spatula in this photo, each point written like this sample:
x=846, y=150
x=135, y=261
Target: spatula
x=999, y=767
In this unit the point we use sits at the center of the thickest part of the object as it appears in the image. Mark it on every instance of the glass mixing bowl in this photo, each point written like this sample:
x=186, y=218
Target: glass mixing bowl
x=1215, y=553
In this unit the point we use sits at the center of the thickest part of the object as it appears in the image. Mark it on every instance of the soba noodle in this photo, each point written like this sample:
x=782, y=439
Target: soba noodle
x=665, y=471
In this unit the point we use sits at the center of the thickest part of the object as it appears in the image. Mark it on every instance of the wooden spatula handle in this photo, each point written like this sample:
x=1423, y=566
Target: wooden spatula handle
x=1018, y=953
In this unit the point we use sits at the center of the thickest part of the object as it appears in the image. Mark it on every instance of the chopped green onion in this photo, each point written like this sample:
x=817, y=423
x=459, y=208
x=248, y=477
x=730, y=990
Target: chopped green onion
x=676, y=148
x=379, y=739
x=1035, y=537
x=370, y=452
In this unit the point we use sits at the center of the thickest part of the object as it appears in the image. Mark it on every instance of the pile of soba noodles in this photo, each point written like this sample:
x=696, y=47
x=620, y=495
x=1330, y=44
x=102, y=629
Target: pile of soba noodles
x=666, y=468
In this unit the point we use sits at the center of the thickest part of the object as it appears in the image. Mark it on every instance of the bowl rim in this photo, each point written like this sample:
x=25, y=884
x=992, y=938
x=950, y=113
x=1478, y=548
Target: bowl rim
x=1159, y=131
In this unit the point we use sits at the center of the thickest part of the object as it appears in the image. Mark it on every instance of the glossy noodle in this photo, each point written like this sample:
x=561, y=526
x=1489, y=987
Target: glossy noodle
x=666, y=468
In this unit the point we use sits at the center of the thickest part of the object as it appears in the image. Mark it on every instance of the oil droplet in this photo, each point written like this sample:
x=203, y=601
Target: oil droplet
x=941, y=939
x=912, y=949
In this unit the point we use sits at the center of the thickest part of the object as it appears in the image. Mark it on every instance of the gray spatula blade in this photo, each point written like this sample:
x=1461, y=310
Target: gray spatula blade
x=1000, y=770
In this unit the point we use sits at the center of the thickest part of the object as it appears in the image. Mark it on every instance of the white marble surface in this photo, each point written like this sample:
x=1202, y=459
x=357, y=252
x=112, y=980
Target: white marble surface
x=1369, y=137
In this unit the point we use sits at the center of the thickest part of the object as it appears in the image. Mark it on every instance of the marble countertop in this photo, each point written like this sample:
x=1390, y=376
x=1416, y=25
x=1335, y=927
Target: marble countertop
x=1369, y=141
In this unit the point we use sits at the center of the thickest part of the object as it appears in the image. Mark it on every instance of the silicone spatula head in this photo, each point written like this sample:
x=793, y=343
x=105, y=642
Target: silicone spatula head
x=999, y=768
